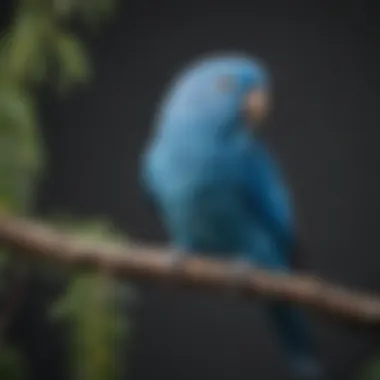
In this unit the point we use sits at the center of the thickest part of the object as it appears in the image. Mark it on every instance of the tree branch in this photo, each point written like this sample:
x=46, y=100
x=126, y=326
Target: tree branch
x=144, y=263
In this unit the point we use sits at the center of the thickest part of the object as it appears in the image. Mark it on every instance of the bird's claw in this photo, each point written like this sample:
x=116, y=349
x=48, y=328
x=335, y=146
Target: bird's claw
x=239, y=272
x=175, y=259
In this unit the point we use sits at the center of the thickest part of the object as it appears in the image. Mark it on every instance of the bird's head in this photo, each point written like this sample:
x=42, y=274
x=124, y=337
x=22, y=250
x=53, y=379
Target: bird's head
x=220, y=90
x=245, y=82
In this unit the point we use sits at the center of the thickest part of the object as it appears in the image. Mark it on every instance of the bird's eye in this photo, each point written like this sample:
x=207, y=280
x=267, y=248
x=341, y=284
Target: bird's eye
x=226, y=83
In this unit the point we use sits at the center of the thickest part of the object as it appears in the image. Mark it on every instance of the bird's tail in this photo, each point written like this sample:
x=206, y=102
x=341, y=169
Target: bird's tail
x=297, y=341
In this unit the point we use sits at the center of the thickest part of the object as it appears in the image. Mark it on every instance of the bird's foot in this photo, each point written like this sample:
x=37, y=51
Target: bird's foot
x=176, y=258
x=239, y=271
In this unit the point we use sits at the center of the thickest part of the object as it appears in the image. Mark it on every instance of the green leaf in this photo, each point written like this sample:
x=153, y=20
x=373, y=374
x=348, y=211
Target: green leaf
x=92, y=306
x=72, y=60
x=17, y=110
x=21, y=150
x=12, y=365
x=23, y=47
x=371, y=371
x=33, y=49
x=96, y=326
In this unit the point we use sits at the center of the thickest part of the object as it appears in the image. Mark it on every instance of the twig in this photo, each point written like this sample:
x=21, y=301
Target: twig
x=144, y=263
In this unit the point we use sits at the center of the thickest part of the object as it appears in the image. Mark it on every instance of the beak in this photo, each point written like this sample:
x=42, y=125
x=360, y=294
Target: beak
x=257, y=105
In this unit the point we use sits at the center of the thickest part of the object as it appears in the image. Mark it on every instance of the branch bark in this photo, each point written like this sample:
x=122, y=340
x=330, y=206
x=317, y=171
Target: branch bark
x=143, y=263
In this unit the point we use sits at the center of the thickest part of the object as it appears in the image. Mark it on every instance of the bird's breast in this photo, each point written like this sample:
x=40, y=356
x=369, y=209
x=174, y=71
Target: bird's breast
x=197, y=172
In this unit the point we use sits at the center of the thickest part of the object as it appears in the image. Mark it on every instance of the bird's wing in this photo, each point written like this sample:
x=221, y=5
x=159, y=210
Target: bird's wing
x=268, y=198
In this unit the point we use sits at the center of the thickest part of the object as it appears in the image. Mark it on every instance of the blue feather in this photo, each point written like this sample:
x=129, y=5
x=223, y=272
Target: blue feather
x=217, y=187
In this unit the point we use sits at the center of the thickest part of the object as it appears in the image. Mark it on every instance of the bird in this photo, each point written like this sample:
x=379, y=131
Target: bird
x=218, y=188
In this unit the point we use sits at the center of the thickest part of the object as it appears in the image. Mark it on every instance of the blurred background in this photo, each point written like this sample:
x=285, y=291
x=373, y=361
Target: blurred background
x=91, y=109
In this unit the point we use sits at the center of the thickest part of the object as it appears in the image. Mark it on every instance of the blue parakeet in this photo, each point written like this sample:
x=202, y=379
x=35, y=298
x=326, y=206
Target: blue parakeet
x=218, y=188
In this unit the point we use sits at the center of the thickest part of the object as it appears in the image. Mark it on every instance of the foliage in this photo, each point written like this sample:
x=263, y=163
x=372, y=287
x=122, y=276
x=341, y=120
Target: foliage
x=371, y=370
x=39, y=48
x=91, y=305
x=12, y=365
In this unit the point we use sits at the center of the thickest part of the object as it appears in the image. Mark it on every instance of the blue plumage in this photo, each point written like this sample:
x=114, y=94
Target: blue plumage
x=218, y=188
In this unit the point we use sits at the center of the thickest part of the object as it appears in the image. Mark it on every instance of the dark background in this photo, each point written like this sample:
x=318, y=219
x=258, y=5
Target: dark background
x=325, y=130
